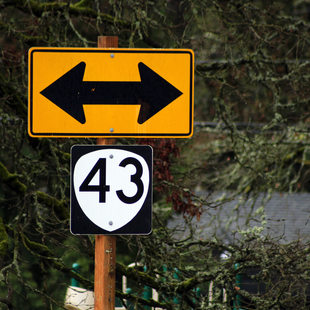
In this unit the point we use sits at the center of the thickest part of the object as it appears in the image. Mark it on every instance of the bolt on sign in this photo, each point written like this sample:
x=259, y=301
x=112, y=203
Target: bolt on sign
x=93, y=92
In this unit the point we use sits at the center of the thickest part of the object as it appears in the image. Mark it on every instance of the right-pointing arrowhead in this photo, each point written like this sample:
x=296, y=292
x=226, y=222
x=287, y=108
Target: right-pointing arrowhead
x=155, y=94
x=64, y=92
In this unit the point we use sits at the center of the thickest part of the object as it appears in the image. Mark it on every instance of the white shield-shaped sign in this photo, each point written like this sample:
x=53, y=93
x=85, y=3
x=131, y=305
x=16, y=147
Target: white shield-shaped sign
x=111, y=189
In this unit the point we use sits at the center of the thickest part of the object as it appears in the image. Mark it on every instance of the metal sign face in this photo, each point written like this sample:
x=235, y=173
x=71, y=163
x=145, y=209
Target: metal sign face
x=111, y=189
x=93, y=92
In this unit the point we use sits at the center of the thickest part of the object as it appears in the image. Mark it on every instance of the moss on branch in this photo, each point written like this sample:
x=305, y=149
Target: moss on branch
x=30, y=40
x=80, y=8
x=45, y=253
x=36, y=248
x=137, y=275
x=12, y=180
x=60, y=207
x=6, y=87
x=41, y=250
x=146, y=279
x=4, y=239
x=142, y=301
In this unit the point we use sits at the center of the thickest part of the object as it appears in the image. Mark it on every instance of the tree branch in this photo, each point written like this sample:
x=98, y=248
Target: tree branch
x=80, y=8
x=12, y=180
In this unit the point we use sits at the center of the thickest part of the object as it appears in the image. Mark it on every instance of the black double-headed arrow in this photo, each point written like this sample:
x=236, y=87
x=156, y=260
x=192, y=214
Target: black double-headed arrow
x=70, y=93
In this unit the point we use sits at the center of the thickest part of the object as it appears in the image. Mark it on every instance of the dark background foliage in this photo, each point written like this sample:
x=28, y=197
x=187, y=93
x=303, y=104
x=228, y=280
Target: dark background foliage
x=251, y=136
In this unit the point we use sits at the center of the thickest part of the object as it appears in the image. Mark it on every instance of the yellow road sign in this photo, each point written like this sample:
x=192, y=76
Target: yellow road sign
x=93, y=92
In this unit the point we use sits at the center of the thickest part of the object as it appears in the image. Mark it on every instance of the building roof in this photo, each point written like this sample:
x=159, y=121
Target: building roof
x=287, y=218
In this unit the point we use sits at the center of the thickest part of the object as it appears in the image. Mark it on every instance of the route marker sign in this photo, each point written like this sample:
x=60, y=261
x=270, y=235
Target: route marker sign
x=111, y=189
x=93, y=92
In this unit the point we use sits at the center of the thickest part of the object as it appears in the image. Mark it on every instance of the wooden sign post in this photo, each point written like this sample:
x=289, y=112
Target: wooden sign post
x=105, y=246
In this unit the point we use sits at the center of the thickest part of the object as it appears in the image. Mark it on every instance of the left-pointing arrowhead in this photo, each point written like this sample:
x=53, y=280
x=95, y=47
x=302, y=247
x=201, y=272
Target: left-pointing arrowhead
x=155, y=93
x=64, y=92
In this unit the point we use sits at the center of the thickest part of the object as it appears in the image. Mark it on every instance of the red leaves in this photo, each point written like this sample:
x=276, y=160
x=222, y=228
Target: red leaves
x=182, y=203
x=165, y=151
